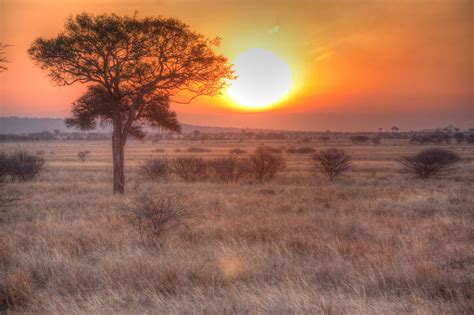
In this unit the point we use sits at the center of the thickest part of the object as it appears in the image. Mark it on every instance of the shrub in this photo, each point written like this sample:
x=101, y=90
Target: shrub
x=301, y=150
x=376, y=140
x=237, y=151
x=460, y=137
x=40, y=152
x=270, y=149
x=4, y=166
x=470, y=138
x=228, y=169
x=82, y=155
x=190, y=169
x=430, y=162
x=154, y=217
x=197, y=150
x=20, y=166
x=155, y=169
x=332, y=162
x=264, y=165
x=359, y=139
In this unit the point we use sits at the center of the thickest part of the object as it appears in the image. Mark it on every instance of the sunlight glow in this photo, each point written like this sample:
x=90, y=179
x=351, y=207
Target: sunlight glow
x=263, y=79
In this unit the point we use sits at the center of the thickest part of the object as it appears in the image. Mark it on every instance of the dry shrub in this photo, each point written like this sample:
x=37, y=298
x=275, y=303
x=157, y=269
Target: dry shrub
x=197, y=150
x=190, y=169
x=20, y=166
x=332, y=162
x=270, y=149
x=155, y=216
x=264, y=165
x=300, y=150
x=228, y=169
x=237, y=151
x=430, y=162
x=359, y=139
x=155, y=169
x=82, y=155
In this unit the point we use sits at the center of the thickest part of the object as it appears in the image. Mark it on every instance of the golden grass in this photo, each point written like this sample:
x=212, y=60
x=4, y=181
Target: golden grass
x=373, y=241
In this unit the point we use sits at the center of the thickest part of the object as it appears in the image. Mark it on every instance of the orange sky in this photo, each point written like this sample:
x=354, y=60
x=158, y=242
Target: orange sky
x=355, y=64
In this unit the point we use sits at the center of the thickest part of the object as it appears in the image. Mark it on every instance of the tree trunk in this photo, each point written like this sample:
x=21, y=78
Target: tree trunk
x=118, y=156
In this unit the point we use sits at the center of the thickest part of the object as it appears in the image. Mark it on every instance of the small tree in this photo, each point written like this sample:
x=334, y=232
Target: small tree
x=332, y=162
x=430, y=162
x=133, y=67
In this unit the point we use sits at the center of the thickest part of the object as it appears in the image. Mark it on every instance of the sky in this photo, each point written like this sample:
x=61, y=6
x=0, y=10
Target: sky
x=355, y=65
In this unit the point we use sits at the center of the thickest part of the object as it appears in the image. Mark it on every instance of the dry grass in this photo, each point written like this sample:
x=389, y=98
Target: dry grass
x=375, y=241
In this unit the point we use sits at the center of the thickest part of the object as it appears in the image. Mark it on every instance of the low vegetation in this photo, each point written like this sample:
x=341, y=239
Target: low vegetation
x=266, y=163
x=197, y=150
x=82, y=155
x=237, y=151
x=430, y=162
x=378, y=242
x=300, y=150
x=20, y=166
x=155, y=216
x=228, y=169
x=332, y=162
x=190, y=169
x=155, y=169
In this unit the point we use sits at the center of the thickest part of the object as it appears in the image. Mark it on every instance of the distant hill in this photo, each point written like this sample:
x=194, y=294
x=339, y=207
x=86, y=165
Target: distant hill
x=17, y=125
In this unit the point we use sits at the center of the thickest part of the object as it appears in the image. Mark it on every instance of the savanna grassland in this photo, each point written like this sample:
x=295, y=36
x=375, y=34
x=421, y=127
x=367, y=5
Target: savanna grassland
x=374, y=241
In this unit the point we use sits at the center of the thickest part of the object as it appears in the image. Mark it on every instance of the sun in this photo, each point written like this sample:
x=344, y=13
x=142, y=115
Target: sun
x=263, y=79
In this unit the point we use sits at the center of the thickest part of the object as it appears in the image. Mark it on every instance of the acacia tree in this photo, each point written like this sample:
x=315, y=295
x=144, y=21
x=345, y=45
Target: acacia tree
x=133, y=67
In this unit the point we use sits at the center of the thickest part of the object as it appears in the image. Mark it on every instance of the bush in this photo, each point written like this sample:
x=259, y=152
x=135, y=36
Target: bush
x=332, y=162
x=228, y=169
x=470, y=138
x=264, y=165
x=154, y=217
x=376, y=140
x=190, y=169
x=270, y=149
x=430, y=162
x=359, y=139
x=4, y=166
x=155, y=169
x=237, y=151
x=197, y=150
x=301, y=150
x=82, y=155
x=20, y=166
